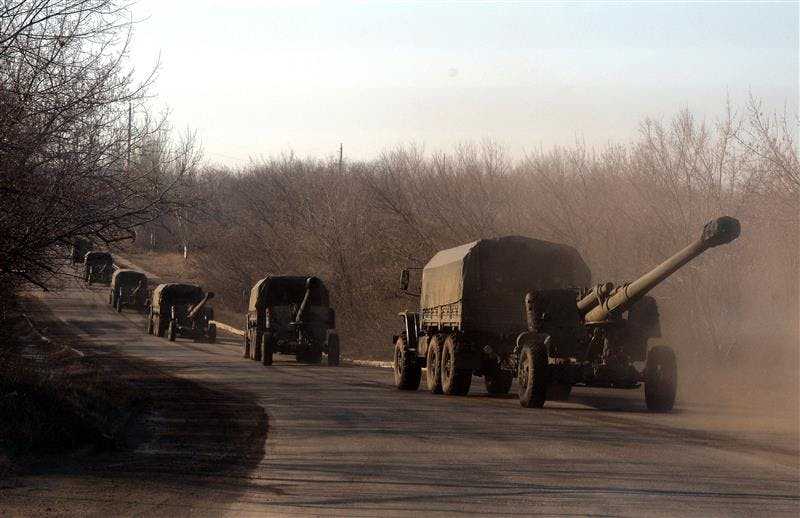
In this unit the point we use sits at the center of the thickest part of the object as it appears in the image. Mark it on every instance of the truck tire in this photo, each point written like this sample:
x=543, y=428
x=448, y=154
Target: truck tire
x=158, y=327
x=212, y=333
x=255, y=348
x=455, y=382
x=407, y=370
x=119, y=304
x=559, y=391
x=660, y=379
x=334, y=351
x=532, y=374
x=498, y=381
x=433, y=372
x=171, y=331
x=266, y=349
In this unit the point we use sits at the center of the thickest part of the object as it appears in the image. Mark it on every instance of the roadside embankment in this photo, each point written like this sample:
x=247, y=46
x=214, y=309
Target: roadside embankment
x=65, y=404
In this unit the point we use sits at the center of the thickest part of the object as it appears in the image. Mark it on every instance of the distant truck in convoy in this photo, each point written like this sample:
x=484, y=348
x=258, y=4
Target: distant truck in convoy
x=513, y=307
x=179, y=309
x=291, y=315
x=98, y=266
x=128, y=289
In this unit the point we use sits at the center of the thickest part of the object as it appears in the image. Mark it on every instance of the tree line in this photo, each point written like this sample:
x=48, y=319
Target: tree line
x=624, y=207
x=81, y=155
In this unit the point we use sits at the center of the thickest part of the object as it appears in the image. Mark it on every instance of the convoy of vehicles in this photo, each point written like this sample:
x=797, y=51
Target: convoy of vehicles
x=502, y=309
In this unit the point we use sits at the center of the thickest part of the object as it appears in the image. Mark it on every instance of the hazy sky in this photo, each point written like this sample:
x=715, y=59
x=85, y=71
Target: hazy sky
x=257, y=78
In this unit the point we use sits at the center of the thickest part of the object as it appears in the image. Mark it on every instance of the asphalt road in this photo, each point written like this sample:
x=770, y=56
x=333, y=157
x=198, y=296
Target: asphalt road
x=344, y=441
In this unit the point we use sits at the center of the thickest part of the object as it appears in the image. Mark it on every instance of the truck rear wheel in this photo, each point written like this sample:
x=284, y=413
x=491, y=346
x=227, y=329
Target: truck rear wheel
x=455, y=382
x=660, y=379
x=158, y=327
x=498, y=381
x=255, y=348
x=559, y=391
x=407, y=370
x=433, y=373
x=171, y=331
x=212, y=333
x=334, y=351
x=266, y=349
x=532, y=374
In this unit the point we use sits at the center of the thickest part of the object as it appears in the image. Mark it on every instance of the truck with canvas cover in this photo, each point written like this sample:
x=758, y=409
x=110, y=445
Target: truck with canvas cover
x=519, y=307
x=78, y=249
x=97, y=267
x=128, y=289
x=178, y=309
x=291, y=315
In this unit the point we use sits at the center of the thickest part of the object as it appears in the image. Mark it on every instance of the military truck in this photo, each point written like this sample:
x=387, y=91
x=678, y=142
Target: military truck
x=79, y=248
x=128, y=289
x=97, y=267
x=178, y=309
x=290, y=315
x=510, y=307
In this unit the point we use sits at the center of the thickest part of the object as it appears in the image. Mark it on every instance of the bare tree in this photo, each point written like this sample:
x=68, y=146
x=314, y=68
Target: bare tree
x=66, y=136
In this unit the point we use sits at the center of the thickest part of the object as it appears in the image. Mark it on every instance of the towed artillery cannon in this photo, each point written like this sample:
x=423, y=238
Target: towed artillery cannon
x=128, y=289
x=471, y=317
x=97, y=267
x=291, y=315
x=180, y=310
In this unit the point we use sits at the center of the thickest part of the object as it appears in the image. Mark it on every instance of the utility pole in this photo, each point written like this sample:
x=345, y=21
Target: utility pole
x=130, y=122
x=341, y=152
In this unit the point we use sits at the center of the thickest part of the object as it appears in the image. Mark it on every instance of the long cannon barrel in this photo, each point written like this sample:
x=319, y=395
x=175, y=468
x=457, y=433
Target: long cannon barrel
x=199, y=306
x=311, y=284
x=716, y=232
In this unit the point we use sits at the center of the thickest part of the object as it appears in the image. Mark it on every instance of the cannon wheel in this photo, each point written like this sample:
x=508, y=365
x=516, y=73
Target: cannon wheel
x=660, y=379
x=532, y=374
x=266, y=349
x=407, y=370
x=171, y=331
x=498, y=381
x=433, y=371
x=334, y=351
x=455, y=382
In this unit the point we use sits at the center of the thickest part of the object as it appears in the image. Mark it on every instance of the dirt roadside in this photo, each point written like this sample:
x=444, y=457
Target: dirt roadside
x=172, y=444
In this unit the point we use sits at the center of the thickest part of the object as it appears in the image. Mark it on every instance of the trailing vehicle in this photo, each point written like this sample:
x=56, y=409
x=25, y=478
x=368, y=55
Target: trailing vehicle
x=180, y=310
x=79, y=248
x=290, y=315
x=97, y=267
x=128, y=289
x=508, y=307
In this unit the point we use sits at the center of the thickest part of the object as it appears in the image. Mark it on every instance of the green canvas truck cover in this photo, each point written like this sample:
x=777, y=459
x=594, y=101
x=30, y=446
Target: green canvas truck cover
x=282, y=290
x=176, y=292
x=481, y=286
x=128, y=276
